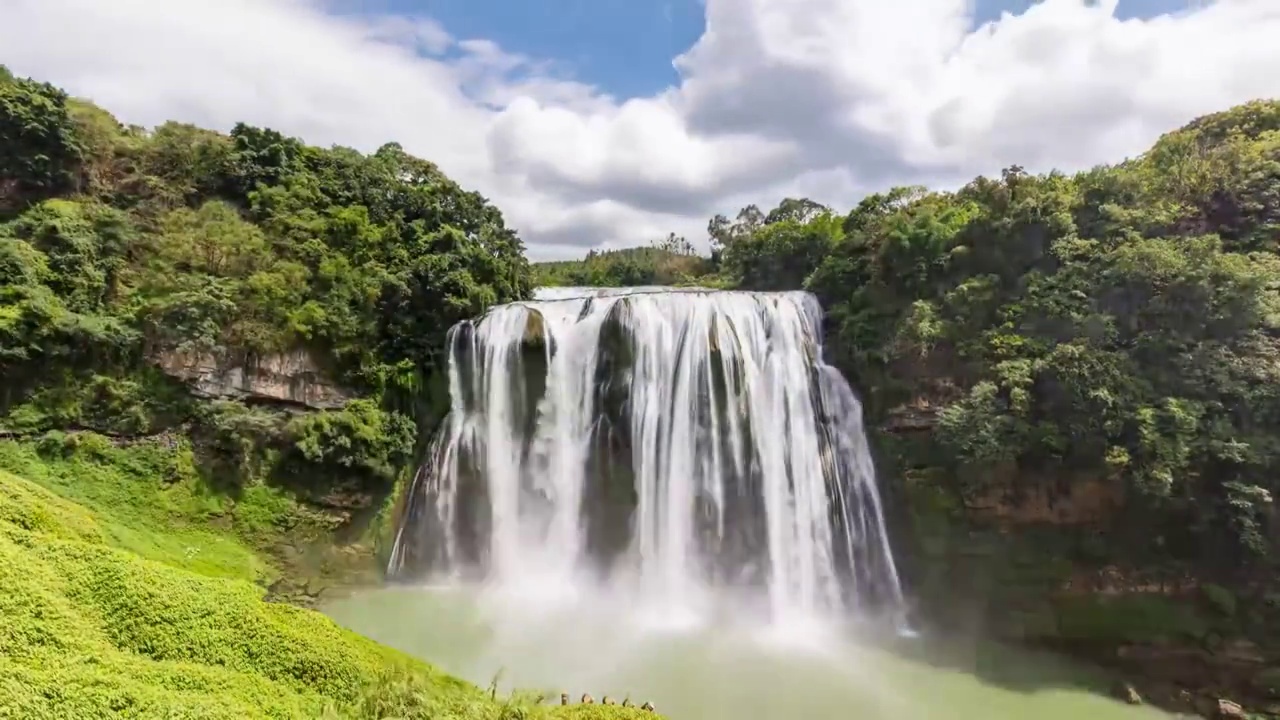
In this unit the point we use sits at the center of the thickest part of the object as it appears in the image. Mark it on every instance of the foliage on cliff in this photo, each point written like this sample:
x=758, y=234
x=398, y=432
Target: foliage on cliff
x=119, y=245
x=1122, y=323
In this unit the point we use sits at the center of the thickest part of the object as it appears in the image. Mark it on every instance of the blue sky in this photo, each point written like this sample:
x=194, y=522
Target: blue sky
x=624, y=47
x=573, y=169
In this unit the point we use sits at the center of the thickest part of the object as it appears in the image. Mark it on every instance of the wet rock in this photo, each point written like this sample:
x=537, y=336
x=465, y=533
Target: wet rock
x=609, y=499
x=1267, y=681
x=463, y=355
x=1228, y=710
x=1126, y=693
x=536, y=349
x=291, y=553
x=316, y=587
x=616, y=351
x=535, y=332
x=473, y=512
x=1242, y=651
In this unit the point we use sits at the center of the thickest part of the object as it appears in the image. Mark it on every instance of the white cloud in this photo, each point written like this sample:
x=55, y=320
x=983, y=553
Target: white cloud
x=829, y=98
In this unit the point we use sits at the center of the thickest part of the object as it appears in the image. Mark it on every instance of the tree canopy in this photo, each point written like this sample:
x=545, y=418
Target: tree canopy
x=1122, y=322
x=120, y=244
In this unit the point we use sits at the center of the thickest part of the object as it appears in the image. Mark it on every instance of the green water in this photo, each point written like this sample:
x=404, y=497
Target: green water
x=728, y=672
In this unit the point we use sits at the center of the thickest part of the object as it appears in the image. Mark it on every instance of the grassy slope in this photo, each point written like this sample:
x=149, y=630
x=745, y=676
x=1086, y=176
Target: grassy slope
x=147, y=500
x=117, y=600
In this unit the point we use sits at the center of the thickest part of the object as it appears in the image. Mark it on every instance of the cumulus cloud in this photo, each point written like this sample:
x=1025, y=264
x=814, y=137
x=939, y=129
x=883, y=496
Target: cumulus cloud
x=826, y=98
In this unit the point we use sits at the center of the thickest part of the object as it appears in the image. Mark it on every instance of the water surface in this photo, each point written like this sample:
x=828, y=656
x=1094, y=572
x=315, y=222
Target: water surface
x=722, y=670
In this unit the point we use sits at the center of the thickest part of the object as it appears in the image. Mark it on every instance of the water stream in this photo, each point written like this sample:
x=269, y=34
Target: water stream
x=669, y=494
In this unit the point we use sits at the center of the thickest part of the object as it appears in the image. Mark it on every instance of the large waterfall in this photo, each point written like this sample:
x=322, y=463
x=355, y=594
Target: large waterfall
x=679, y=446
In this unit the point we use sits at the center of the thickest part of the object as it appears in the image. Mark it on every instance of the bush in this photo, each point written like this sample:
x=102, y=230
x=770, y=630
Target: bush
x=360, y=440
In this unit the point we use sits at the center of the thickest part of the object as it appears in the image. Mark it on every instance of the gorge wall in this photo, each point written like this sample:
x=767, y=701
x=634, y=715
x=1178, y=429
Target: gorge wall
x=1061, y=560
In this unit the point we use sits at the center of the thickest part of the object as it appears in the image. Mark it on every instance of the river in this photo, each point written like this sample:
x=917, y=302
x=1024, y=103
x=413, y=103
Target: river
x=704, y=672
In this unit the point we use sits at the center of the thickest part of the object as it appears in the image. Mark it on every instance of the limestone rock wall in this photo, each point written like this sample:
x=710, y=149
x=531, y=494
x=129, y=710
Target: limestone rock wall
x=291, y=378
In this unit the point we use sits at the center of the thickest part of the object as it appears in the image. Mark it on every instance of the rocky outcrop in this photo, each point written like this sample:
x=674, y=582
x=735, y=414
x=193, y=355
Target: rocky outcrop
x=291, y=378
x=911, y=418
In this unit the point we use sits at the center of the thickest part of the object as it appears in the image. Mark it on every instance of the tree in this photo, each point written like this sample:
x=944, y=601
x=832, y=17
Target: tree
x=40, y=155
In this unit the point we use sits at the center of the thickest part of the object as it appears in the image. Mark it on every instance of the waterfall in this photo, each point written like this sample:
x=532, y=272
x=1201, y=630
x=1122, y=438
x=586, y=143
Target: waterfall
x=688, y=445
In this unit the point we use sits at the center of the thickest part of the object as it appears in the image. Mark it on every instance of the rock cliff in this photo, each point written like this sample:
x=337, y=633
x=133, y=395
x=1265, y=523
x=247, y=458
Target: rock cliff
x=290, y=379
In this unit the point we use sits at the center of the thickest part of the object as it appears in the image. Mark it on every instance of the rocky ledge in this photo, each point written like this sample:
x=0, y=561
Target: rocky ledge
x=290, y=379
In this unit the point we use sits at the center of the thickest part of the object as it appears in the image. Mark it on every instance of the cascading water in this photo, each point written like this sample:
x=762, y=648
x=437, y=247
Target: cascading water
x=683, y=446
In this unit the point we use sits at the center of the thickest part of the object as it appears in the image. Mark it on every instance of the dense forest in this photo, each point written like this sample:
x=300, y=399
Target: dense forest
x=671, y=261
x=1122, y=322
x=217, y=352
x=120, y=247
x=1073, y=379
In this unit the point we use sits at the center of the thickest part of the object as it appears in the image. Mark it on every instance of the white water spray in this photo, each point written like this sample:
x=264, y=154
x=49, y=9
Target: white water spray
x=675, y=445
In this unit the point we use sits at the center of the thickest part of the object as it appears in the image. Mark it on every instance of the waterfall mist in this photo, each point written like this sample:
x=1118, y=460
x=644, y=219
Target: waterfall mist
x=682, y=449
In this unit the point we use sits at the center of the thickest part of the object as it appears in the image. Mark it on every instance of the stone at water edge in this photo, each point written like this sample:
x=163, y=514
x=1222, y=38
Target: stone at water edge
x=587, y=699
x=1126, y=692
x=1228, y=710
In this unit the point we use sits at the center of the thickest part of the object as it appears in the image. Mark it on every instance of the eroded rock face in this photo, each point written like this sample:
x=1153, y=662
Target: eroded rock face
x=291, y=378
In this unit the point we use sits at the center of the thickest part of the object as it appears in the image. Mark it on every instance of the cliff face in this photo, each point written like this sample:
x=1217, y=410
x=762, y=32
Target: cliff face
x=1045, y=558
x=289, y=379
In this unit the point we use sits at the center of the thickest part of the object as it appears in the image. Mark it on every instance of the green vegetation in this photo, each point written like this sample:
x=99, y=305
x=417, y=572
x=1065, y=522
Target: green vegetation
x=112, y=614
x=1074, y=381
x=671, y=261
x=1122, y=323
x=146, y=499
x=144, y=506
x=121, y=247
